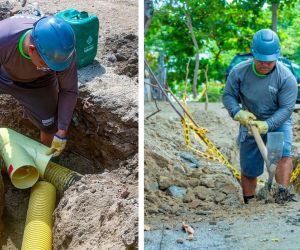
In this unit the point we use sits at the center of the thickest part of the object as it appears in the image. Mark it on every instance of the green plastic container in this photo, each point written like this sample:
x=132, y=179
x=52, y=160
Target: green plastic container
x=86, y=29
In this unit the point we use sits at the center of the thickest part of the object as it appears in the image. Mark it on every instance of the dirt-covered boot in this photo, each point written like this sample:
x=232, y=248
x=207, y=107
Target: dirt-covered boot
x=283, y=194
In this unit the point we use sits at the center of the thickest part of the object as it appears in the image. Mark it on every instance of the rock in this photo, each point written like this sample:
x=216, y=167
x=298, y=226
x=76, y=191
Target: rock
x=164, y=182
x=219, y=196
x=194, y=204
x=179, y=168
x=177, y=192
x=190, y=158
x=197, y=173
x=228, y=188
x=181, y=183
x=151, y=187
x=162, y=210
x=147, y=227
x=120, y=57
x=179, y=241
x=207, y=182
x=193, y=182
x=112, y=58
x=203, y=193
x=189, y=197
x=203, y=212
x=130, y=37
x=191, y=165
x=152, y=210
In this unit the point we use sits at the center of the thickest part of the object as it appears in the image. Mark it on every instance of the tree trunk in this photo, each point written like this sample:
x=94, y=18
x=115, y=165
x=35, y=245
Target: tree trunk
x=190, y=27
x=274, y=16
x=148, y=13
x=206, y=86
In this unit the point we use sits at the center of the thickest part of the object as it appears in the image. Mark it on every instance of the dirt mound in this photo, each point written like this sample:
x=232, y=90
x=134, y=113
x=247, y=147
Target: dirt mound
x=178, y=182
x=5, y=9
x=122, y=50
x=98, y=212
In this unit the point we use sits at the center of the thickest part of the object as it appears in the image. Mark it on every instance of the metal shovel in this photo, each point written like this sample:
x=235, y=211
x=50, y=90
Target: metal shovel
x=272, y=153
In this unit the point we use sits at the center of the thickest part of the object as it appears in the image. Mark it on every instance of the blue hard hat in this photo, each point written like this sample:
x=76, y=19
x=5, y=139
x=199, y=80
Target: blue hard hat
x=265, y=45
x=55, y=42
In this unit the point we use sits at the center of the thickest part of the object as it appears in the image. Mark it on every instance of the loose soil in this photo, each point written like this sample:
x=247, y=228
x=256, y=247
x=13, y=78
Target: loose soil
x=211, y=198
x=99, y=211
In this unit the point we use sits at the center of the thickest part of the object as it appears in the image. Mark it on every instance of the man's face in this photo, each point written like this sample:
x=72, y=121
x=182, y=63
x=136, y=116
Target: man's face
x=264, y=67
x=37, y=59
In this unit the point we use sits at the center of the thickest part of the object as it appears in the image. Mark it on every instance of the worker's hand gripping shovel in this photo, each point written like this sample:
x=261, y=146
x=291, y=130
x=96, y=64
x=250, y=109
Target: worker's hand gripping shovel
x=272, y=153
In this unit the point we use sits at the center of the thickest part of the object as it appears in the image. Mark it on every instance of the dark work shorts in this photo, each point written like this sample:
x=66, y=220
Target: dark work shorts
x=251, y=161
x=39, y=99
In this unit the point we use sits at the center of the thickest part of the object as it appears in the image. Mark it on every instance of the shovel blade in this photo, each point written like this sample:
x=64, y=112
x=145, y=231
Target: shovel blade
x=274, y=146
x=275, y=150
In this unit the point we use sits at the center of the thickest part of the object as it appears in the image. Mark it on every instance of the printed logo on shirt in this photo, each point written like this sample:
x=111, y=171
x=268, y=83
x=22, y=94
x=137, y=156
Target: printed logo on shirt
x=273, y=90
x=48, y=122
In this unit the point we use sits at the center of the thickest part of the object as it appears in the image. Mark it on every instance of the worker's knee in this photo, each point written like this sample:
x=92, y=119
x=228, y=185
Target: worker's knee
x=285, y=165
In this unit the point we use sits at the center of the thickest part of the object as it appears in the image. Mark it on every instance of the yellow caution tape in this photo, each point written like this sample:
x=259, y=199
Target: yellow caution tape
x=216, y=84
x=199, y=96
x=295, y=173
x=213, y=152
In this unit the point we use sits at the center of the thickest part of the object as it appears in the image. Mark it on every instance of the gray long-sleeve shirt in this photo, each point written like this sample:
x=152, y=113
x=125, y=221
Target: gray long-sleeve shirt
x=270, y=98
x=14, y=67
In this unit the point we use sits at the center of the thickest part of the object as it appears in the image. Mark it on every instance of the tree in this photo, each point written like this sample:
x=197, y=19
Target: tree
x=220, y=29
x=190, y=27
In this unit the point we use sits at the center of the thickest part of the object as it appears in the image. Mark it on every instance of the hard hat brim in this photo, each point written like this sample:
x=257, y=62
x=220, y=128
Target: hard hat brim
x=266, y=58
x=58, y=66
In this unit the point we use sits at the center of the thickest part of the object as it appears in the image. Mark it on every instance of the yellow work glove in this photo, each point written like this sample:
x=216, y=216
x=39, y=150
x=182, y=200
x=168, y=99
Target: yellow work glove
x=57, y=146
x=261, y=126
x=244, y=117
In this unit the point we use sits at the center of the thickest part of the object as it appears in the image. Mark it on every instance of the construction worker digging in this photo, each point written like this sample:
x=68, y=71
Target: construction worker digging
x=38, y=68
x=267, y=91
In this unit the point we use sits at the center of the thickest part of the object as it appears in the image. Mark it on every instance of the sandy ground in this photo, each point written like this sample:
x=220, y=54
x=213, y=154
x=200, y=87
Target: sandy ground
x=211, y=198
x=100, y=211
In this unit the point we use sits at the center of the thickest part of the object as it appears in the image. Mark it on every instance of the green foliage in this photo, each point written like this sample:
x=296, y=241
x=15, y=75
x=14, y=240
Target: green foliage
x=222, y=29
x=214, y=94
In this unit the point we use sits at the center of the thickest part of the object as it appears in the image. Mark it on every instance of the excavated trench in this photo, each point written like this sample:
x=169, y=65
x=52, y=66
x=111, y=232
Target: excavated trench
x=100, y=210
x=103, y=147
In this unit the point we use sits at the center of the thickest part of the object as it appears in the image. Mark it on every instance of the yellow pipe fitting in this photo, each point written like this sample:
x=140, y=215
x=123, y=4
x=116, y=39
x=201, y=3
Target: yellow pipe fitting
x=21, y=156
x=39, y=222
x=21, y=169
x=26, y=161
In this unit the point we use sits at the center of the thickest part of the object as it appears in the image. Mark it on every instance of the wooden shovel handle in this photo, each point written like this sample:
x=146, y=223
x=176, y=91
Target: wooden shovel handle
x=260, y=143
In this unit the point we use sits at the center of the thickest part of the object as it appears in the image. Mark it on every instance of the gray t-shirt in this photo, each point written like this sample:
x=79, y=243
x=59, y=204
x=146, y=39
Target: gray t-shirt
x=270, y=98
x=15, y=67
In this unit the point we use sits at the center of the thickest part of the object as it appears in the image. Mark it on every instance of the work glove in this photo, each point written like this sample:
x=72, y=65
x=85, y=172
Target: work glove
x=262, y=126
x=244, y=117
x=57, y=146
